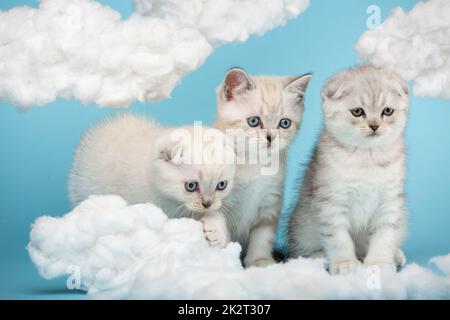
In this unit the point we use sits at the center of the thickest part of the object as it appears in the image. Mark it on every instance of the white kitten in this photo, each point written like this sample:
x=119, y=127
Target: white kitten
x=143, y=162
x=265, y=112
x=352, y=204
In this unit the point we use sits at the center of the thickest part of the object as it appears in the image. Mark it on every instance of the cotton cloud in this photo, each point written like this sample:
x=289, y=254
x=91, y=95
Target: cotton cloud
x=415, y=44
x=443, y=263
x=135, y=251
x=224, y=21
x=84, y=50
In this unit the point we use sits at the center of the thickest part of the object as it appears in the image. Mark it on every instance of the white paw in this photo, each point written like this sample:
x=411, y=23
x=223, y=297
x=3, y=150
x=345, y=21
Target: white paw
x=383, y=265
x=260, y=262
x=317, y=255
x=216, y=232
x=342, y=267
x=400, y=258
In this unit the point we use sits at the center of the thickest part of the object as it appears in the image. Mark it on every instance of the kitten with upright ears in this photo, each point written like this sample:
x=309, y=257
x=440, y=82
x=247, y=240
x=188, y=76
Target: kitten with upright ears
x=265, y=112
x=352, y=203
x=142, y=162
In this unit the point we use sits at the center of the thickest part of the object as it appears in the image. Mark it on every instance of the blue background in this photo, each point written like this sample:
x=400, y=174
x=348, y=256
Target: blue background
x=37, y=146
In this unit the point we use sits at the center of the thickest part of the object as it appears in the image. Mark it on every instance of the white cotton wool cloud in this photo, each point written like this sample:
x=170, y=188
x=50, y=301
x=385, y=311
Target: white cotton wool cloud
x=110, y=243
x=224, y=21
x=415, y=44
x=124, y=252
x=84, y=50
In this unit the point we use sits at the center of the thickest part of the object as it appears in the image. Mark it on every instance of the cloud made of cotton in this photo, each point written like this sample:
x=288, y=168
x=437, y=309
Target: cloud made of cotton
x=135, y=251
x=415, y=44
x=84, y=50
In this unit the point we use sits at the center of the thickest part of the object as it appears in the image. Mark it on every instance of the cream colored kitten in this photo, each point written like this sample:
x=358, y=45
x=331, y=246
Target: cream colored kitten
x=265, y=113
x=142, y=162
x=352, y=204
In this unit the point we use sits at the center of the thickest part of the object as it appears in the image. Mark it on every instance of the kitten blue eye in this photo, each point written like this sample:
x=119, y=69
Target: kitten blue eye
x=191, y=186
x=357, y=112
x=285, y=123
x=254, y=122
x=221, y=185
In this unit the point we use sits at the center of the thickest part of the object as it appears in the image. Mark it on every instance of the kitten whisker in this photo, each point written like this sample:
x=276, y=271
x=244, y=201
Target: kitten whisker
x=230, y=218
x=177, y=209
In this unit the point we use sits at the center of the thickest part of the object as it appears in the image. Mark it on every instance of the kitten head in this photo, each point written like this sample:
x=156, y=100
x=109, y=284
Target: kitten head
x=267, y=110
x=365, y=107
x=196, y=167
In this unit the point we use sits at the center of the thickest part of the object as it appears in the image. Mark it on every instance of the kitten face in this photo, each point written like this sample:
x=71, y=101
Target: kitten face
x=201, y=184
x=267, y=110
x=365, y=107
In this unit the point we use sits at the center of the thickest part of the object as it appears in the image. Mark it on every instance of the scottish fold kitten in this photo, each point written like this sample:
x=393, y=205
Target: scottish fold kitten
x=143, y=162
x=264, y=114
x=352, y=203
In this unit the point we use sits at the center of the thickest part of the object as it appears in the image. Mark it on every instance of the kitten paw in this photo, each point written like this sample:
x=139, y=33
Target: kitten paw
x=317, y=255
x=259, y=262
x=343, y=267
x=400, y=258
x=383, y=265
x=216, y=232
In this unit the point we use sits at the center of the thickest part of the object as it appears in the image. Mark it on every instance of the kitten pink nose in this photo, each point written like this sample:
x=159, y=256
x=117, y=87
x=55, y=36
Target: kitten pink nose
x=207, y=204
x=374, y=127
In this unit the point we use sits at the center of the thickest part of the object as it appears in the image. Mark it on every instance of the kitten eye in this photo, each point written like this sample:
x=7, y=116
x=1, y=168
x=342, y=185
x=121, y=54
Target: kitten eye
x=222, y=185
x=357, y=112
x=191, y=186
x=285, y=123
x=388, y=112
x=254, y=122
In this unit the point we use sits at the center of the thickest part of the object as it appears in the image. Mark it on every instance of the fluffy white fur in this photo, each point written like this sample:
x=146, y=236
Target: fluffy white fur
x=119, y=251
x=352, y=203
x=142, y=162
x=256, y=198
x=84, y=50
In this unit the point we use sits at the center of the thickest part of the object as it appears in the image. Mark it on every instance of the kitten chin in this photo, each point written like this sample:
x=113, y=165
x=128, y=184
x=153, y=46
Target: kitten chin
x=352, y=204
x=267, y=112
x=142, y=162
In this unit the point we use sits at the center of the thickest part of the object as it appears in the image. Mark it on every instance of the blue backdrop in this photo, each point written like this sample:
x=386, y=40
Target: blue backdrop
x=37, y=146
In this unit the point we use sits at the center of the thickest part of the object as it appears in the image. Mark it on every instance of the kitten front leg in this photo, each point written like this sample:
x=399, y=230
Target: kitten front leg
x=338, y=243
x=340, y=252
x=262, y=233
x=216, y=230
x=386, y=237
x=260, y=245
x=384, y=248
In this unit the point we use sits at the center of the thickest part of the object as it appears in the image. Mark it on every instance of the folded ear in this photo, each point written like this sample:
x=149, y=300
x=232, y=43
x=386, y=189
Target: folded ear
x=236, y=83
x=299, y=85
x=403, y=86
x=335, y=89
x=171, y=151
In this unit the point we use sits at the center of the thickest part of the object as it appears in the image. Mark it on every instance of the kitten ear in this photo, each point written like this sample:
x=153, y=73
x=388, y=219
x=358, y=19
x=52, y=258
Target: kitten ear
x=404, y=87
x=172, y=153
x=335, y=89
x=398, y=85
x=236, y=83
x=400, y=89
x=299, y=85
